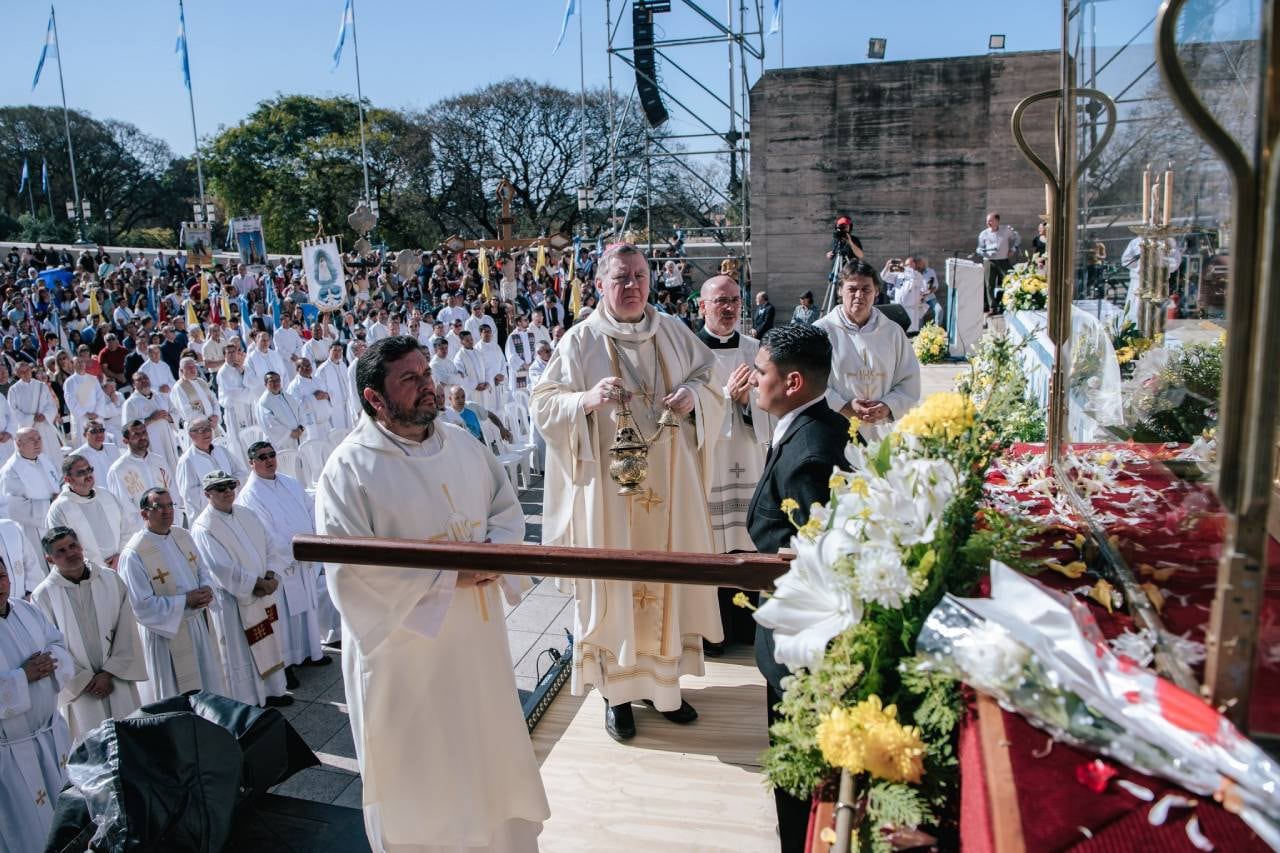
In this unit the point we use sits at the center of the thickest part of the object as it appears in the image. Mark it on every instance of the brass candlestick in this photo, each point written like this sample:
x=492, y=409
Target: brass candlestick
x=1153, y=287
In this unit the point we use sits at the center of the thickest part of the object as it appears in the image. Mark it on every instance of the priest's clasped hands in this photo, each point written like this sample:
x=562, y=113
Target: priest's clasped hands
x=870, y=411
x=199, y=597
x=739, y=386
x=38, y=666
x=467, y=579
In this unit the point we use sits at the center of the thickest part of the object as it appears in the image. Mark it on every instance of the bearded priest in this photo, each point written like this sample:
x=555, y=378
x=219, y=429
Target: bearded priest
x=634, y=640
x=440, y=738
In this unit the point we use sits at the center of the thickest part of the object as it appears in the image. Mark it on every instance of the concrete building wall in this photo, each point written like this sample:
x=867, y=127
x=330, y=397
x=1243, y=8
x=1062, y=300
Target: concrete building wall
x=914, y=152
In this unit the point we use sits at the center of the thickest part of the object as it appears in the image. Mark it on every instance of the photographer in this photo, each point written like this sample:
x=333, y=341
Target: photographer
x=844, y=243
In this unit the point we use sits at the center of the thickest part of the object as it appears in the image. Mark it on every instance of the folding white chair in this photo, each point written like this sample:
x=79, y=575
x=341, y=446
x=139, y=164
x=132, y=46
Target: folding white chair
x=250, y=435
x=521, y=426
x=287, y=462
x=312, y=456
x=509, y=461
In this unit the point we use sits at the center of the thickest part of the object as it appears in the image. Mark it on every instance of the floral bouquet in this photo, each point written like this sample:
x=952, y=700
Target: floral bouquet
x=1026, y=288
x=931, y=344
x=1128, y=342
x=1040, y=654
x=1172, y=393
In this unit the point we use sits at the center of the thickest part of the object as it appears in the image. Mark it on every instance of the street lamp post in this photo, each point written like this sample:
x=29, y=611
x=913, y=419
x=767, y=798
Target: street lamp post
x=108, y=214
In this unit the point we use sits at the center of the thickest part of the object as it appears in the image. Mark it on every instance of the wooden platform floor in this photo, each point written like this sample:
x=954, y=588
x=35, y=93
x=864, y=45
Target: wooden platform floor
x=673, y=788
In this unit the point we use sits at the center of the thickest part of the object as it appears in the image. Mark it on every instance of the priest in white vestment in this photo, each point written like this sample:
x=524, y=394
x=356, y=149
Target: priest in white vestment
x=495, y=372
x=112, y=408
x=90, y=606
x=234, y=394
x=634, y=640
x=171, y=591
x=282, y=416
x=97, y=450
x=441, y=742
x=1131, y=259
x=192, y=397
x=201, y=457
x=102, y=521
x=261, y=361
x=26, y=564
x=307, y=614
x=34, y=741
x=742, y=442
x=28, y=484
x=875, y=376
x=152, y=408
x=315, y=400
x=472, y=373
x=538, y=328
x=233, y=544
x=84, y=397
x=443, y=371
x=157, y=370
x=139, y=469
x=520, y=349
x=288, y=344
x=32, y=404
x=331, y=378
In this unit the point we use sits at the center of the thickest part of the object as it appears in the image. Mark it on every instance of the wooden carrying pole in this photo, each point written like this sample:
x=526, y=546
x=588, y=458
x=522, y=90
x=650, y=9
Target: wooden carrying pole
x=743, y=571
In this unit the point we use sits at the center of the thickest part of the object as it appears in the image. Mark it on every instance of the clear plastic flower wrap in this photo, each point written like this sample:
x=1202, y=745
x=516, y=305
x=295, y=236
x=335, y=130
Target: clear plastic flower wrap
x=1040, y=654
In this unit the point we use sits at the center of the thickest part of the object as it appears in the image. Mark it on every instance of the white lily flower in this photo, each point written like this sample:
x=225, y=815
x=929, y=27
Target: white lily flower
x=812, y=602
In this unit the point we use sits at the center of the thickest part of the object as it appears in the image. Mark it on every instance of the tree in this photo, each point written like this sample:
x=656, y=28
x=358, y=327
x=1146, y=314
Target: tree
x=117, y=167
x=296, y=158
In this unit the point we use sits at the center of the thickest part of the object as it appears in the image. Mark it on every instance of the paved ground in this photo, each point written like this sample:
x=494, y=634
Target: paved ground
x=534, y=625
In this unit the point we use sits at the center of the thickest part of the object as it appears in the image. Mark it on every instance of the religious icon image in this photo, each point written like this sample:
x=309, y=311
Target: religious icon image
x=322, y=263
x=250, y=242
x=197, y=244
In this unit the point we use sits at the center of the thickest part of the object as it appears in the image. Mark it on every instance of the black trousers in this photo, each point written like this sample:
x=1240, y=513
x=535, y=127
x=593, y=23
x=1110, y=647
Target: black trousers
x=738, y=625
x=994, y=271
x=793, y=812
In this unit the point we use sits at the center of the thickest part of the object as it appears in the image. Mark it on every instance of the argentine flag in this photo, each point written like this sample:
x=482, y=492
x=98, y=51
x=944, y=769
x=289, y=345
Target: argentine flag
x=49, y=49
x=44, y=176
x=777, y=17
x=564, y=25
x=26, y=176
x=181, y=46
x=348, y=19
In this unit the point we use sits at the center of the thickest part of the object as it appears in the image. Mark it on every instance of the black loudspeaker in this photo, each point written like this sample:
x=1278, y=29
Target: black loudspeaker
x=646, y=67
x=897, y=314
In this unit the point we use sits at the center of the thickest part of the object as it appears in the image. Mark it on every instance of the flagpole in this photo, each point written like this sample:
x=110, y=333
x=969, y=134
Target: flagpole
x=66, y=120
x=191, y=100
x=364, y=153
x=31, y=198
x=44, y=184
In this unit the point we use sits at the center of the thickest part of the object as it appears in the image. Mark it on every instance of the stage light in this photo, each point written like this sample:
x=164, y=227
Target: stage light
x=875, y=48
x=996, y=42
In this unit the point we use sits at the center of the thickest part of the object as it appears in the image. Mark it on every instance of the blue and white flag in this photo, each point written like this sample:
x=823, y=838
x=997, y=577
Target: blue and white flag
x=777, y=17
x=569, y=8
x=181, y=46
x=49, y=49
x=348, y=20
x=44, y=176
x=152, y=308
x=26, y=176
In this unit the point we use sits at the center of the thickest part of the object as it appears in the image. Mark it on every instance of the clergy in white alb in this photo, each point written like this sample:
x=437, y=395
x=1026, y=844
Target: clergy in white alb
x=744, y=433
x=171, y=591
x=307, y=615
x=8, y=426
x=90, y=606
x=112, y=408
x=26, y=566
x=233, y=544
x=97, y=450
x=443, y=371
x=1131, y=259
x=102, y=521
x=152, y=408
x=34, y=741
x=633, y=640
x=157, y=370
x=495, y=371
x=315, y=400
x=83, y=395
x=875, y=376
x=472, y=373
x=288, y=343
x=520, y=354
x=234, y=394
x=354, y=350
x=442, y=746
x=331, y=378
x=261, y=361
x=139, y=469
x=201, y=457
x=538, y=328
x=281, y=415
x=33, y=404
x=192, y=397
x=28, y=484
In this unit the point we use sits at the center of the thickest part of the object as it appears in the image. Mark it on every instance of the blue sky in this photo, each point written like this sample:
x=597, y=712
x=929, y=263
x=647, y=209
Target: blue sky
x=119, y=61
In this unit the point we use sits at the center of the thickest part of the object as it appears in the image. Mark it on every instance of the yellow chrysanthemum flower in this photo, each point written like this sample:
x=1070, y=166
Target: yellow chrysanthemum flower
x=854, y=423
x=868, y=737
x=946, y=415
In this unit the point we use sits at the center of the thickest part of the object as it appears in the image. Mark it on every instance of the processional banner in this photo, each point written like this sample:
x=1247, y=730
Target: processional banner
x=197, y=243
x=250, y=242
x=326, y=280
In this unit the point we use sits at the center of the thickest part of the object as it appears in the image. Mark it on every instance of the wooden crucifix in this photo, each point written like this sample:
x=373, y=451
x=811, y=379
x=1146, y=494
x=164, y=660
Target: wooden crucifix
x=507, y=240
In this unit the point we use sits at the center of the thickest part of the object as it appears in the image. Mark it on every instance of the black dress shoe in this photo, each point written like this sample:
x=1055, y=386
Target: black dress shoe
x=278, y=701
x=323, y=660
x=619, y=722
x=290, y=678
x=712, y=650
x=682, y=715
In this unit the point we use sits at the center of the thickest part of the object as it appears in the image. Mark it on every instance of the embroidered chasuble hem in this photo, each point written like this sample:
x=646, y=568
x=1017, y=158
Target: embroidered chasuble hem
x=647, y=665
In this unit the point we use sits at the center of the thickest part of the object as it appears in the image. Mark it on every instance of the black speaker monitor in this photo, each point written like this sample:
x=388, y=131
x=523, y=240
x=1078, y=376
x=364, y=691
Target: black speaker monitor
x=646, y=66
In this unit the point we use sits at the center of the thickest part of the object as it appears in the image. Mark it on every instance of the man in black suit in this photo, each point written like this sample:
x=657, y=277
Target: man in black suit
x=791, y=370
x=762, y=317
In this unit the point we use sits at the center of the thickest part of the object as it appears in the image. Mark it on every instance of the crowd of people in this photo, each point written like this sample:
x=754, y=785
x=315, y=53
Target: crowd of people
x=166, y=431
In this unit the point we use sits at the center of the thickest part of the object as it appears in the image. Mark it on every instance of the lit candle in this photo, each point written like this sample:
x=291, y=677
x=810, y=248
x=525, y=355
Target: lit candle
x=1168, y=195
x=1048, y=201
x=1146, y=195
